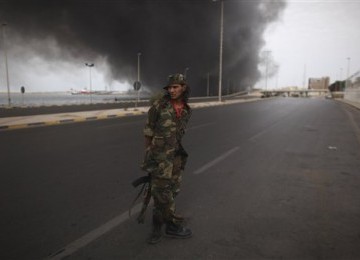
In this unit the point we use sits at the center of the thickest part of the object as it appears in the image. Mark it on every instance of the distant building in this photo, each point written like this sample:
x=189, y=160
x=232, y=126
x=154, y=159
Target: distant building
x=319, y=83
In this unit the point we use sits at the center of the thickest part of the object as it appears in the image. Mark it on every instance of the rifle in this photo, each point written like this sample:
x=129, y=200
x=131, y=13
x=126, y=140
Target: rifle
x=146, y=190
x=140, y=180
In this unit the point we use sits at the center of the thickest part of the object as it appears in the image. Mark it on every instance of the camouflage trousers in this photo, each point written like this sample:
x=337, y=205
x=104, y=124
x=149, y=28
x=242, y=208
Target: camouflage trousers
x=164, y=189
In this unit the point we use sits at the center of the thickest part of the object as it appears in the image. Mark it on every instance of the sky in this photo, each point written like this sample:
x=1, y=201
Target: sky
x=314, y=38
x=302, y=38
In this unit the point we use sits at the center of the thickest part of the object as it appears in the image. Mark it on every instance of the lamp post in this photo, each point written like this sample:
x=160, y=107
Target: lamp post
x=208, y=85
x=90, y=65
x=304, y=77
x=221, y=45
x=266, y=68
x=138, y=66
x=138, y=78
x=6, y=64
x=341, y=70
x=348, y=68
x=348, y=72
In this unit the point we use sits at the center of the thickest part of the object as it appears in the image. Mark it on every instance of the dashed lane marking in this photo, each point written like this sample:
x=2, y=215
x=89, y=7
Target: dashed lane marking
x=93, y=235
x=216, y=160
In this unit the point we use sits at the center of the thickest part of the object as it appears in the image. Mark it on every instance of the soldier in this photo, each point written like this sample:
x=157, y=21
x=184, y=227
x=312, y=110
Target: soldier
x=165, y=158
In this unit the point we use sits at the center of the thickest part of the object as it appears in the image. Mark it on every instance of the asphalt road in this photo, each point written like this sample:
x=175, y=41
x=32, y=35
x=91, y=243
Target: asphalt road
x=274, y=179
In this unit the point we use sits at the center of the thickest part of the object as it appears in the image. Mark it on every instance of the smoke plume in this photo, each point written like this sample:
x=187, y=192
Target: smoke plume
x=171, y=35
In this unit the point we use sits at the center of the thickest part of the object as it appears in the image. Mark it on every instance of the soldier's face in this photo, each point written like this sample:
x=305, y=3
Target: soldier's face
x=176, y=91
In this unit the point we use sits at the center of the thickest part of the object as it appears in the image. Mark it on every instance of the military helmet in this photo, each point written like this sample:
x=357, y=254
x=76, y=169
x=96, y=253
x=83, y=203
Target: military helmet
x=176, y=79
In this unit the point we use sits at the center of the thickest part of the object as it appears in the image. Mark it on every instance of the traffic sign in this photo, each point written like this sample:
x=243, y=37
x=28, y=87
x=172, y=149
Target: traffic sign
x=137, y=85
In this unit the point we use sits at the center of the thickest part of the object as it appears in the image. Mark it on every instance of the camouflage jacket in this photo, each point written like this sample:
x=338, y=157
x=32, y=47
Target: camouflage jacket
x=166, y=132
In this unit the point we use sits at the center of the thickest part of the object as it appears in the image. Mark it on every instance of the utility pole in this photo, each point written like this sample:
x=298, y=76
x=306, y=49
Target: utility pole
x=138, y=78
x=267, y=53
x=304, y=76
x=208, y=85
x=138, y=66
x=221, y=48
x=221, y=45
x=348, y=67
x=348, y=73
x=90, y=65
x=341, y=70
x=6, y=63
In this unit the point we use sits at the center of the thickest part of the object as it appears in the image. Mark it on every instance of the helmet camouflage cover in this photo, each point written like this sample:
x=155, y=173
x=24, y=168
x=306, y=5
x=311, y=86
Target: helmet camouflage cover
x=176, y=79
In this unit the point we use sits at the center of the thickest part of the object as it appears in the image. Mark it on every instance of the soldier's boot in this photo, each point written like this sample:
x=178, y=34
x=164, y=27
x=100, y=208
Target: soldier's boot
x=177, y=231
x=156, y=234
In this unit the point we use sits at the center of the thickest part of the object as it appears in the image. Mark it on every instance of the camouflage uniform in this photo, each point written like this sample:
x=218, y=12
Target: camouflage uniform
x=165, y=158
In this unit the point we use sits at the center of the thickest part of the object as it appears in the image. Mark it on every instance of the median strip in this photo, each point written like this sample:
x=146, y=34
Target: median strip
x=47, y=120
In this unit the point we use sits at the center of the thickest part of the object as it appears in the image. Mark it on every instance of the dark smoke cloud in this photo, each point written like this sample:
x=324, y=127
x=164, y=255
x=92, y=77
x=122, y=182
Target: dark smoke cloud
x=171, y=35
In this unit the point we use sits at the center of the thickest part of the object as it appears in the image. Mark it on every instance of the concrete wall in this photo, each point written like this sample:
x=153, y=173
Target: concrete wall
x=352, y=95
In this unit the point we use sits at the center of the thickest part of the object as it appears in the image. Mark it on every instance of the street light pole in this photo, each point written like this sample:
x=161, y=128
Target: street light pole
x=348, y=67
x=138, y=77
x=208, y=85
x=221, y=45
x=6, y=64
x=138, y=66
x=221, y=48
x=348, y=73
x=341, y=69
x=90, y=65
x=304, y=77
x=267, y=68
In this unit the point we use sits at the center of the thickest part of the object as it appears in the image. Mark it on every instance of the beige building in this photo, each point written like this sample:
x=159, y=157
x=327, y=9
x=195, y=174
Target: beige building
x=319, y=83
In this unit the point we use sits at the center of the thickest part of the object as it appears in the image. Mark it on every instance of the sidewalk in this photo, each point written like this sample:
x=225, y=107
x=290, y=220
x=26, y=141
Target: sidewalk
x=19, y=122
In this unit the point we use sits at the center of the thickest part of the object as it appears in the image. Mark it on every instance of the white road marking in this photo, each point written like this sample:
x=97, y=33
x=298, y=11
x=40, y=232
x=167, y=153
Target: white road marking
x=94, y=234
x=267, y=129
x=217, y=160
x=111, y=224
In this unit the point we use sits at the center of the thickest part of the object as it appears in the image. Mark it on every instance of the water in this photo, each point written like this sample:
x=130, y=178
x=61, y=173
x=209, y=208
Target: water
x=63, y=98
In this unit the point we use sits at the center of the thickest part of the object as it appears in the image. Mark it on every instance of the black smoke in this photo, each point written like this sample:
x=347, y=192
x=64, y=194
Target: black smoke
x=171, y=35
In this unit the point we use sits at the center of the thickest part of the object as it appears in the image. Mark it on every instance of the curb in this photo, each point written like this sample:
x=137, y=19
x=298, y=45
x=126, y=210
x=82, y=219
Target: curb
x=67, y=121
x=102, y=117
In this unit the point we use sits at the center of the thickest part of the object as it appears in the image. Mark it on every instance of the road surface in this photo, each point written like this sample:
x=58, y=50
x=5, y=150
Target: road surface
x=277, y=178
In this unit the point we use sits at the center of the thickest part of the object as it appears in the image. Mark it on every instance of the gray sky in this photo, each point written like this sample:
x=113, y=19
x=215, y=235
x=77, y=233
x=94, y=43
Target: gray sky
x=318, y=34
